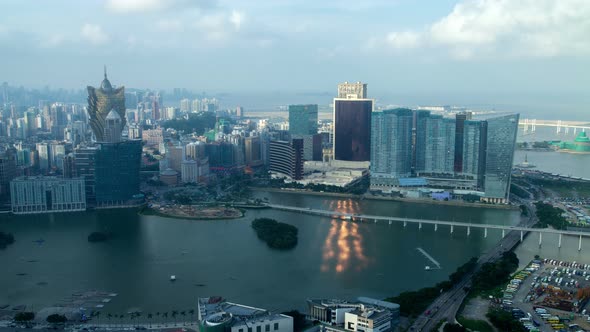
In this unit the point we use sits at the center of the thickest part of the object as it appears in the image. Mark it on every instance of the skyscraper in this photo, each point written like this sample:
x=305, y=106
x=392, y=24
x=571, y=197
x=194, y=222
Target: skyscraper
x=501, y=139
x=100, y=102
x=113, y=127
x=286, y=158
x=352, y=123
x=303, y=119
x=391, y=146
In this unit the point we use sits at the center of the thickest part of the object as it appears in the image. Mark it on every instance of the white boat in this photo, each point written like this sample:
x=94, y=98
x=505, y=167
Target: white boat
x=427, y=268
x=172, y=278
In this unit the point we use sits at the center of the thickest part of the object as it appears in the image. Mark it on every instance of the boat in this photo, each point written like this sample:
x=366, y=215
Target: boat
x=427, y=268
x=172, y=278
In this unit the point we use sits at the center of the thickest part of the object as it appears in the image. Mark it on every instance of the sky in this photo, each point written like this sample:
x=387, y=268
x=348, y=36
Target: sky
x=507, y=53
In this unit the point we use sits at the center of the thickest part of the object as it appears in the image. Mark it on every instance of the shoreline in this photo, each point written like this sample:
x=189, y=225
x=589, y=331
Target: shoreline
x=395, y=199
x=147, y=211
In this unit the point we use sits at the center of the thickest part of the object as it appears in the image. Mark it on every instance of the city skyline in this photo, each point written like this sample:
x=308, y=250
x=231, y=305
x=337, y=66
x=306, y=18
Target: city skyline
x=531, y=54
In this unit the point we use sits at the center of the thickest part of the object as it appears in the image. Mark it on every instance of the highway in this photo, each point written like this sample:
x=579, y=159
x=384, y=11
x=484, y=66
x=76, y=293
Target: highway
x=445, y=307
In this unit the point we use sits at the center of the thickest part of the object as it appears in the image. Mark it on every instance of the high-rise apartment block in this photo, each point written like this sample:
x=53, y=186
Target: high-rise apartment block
x=420, y=149
x=303, y=119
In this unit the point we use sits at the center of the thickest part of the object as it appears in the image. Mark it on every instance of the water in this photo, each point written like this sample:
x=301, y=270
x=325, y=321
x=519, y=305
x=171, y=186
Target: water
x=333, y=258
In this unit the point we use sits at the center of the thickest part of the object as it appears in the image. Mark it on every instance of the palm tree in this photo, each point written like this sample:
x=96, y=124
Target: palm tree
x=149, y=316
x=183, y=314
x=109, y=316
x=165, y=315
x=174, y=313
x=192, y=312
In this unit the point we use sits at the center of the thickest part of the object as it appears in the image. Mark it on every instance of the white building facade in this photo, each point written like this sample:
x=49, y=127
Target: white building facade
x=44, y=194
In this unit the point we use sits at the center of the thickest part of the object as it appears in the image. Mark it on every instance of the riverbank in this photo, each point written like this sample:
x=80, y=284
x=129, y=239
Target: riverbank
x=381, y=198
x=194, y=212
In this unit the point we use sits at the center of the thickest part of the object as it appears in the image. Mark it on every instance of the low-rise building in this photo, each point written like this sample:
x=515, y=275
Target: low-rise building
x=217, y=315
x=363, y=315
x=43, y=194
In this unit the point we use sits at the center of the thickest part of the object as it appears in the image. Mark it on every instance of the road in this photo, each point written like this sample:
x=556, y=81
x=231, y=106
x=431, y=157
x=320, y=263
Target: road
x=445, y=307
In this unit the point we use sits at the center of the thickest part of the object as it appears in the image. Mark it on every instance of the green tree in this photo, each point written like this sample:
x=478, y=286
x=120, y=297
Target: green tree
x=56, y=319
x=24, y=316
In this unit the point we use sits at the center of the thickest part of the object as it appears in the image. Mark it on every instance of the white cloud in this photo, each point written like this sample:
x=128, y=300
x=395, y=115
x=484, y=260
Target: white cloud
x=135, y=6
x=521, y=28
x=405, y=39
x=236, y=18
x=94, y=34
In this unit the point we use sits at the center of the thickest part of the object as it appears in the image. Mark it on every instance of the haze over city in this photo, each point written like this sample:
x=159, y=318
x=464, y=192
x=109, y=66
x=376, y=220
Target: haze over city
x=530, y=56
x=295, y=166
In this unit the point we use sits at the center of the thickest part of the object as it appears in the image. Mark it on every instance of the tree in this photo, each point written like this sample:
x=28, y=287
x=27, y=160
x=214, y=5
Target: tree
x=24, y=316
x=174, y=313
x=149, y=316
x=183, y=314
x=192, y=313
x=454, y=328
x=56, y=319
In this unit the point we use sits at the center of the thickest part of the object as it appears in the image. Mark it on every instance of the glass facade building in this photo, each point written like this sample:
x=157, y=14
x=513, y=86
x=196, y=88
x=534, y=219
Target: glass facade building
x=303, y=119
x=117, y=168
x=352, y=129
x=501, y=139
x=439, y=146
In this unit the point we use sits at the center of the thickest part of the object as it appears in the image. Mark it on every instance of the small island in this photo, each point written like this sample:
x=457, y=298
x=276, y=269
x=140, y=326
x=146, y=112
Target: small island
x=277, y=235
x=6, y=239
x=98, y=237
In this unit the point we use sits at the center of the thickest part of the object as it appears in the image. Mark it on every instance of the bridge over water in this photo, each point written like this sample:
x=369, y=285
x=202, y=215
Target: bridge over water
x=435, y=223
x=530, y=125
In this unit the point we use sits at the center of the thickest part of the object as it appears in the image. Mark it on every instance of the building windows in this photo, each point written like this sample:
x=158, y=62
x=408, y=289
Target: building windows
x=249, y=329
x=258, y=329
x=240, y=330
x=267, y=328
x=276, y=327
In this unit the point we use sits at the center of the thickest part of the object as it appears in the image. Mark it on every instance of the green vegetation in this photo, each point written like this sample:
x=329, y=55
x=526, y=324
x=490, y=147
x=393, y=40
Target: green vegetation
x=358, y=188
x=277, y=235
x=550, y=215
x=24, y=316
x=197, y=123
x=413, y=303
x=541, y=145
x=494, y=274
x=564, y=188
x=454, y=328
x=475, y=325
x=186, y=196
x=98, y=237
x=504, y=321
x=299, y=321
x=56, y=319
x=6, y=239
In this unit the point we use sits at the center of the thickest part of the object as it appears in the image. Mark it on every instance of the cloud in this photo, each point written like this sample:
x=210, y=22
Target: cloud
x=143, y=6
x=169, y=25
x=94, y=34
x=236, y=18
x=525, y=28
x=405, y=39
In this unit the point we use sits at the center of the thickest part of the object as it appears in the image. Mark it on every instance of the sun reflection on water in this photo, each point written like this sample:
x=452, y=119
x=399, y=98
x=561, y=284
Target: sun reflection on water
x=343, y=247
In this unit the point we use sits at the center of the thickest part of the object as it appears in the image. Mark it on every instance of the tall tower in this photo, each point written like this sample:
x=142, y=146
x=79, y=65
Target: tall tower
x=352, y=123
x=101, y=101
x=113, y=128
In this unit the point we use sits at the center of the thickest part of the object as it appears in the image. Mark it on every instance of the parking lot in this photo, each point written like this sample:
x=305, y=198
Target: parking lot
x=550, y=295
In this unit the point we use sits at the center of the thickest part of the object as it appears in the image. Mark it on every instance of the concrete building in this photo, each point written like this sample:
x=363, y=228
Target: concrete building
x=43, y=194
x=356, y=90
x=153, y=137
x=286, y=158
x=253, y=151
x=364, y=314
x=216, y=315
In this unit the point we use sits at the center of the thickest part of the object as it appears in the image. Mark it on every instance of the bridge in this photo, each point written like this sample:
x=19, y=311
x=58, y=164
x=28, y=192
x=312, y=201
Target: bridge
x=435, y=223
x=529, y=125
